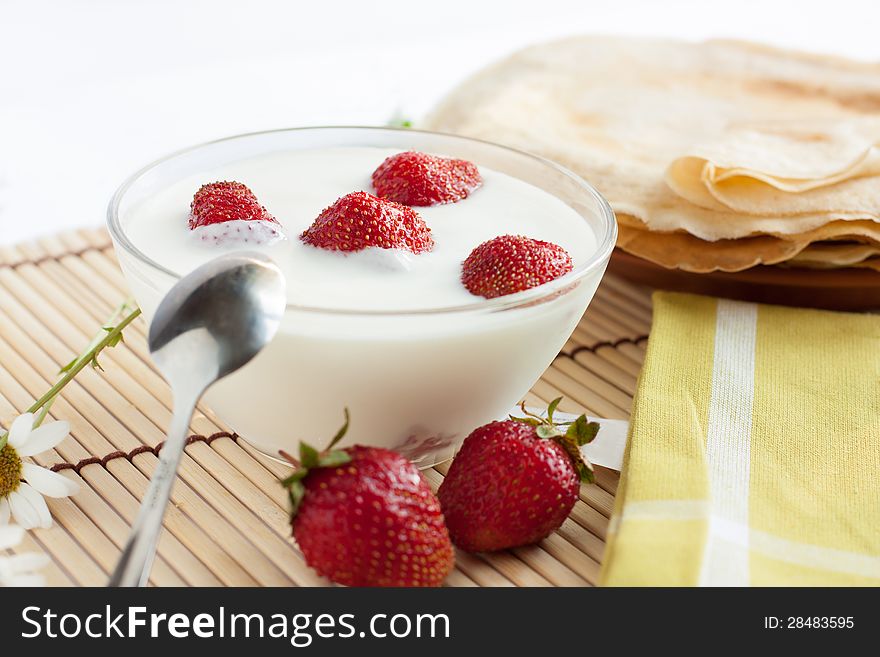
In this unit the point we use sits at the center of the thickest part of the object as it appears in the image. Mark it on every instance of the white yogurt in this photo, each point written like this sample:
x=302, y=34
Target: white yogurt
x=416, y=382
x=296, y=185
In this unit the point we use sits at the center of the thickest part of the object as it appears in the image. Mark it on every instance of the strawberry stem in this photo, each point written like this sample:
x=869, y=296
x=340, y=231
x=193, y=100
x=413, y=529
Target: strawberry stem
x=290, y=458
x=342, y=431
x=578, y=433
x=310, y=458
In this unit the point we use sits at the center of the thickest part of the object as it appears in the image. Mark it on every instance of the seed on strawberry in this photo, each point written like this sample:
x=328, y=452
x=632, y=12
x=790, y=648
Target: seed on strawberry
x=414, y=178
x=514, y=482
x=360, y=220
x=364, y=516
x=229, y=212
x=513, y=263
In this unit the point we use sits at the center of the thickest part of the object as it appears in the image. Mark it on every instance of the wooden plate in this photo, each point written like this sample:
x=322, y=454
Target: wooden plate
x=838, y=289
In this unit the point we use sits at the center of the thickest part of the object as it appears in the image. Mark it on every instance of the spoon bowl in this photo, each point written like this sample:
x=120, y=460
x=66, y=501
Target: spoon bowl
x=217, y=319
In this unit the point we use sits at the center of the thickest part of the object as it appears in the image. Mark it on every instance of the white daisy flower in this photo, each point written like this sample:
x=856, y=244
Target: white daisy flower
x=23, y=484
x=19, y=569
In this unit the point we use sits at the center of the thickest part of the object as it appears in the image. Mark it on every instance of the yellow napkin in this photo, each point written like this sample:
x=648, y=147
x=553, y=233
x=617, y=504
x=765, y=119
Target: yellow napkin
x=754, y=450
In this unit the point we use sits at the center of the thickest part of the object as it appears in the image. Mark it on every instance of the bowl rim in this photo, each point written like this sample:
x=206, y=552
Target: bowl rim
x=519, y=299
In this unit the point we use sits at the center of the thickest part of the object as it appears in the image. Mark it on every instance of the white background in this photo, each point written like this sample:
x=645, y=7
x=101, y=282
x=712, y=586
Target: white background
x=91, y=90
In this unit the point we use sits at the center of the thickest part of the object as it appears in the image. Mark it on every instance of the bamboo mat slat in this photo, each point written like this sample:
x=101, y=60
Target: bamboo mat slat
x=227, y=524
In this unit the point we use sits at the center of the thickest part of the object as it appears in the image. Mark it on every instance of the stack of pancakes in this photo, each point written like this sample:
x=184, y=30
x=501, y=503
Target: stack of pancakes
x=715, y=156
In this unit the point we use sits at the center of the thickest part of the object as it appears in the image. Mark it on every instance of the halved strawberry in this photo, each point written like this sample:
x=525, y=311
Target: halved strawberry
x=513, y=263
x=229, y=211
x=360, y=220
x=414, y=178
x=222, y=201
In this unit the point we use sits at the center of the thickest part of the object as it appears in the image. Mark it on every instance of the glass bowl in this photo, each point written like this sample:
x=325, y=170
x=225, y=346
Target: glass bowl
x=417, y=381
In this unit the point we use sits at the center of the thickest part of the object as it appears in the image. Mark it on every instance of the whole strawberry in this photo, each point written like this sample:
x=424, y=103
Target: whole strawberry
x=514, y=482
x=364, y=516
x=414, y=178
x=512, y=263
x=360, y=220
x=229, y=212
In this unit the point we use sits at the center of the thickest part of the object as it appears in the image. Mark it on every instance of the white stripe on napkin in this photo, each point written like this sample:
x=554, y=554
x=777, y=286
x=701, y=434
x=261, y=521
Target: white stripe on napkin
x=726, y=556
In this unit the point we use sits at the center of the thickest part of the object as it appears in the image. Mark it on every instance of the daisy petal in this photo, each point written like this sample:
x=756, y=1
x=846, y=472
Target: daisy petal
x=47, y=482
x=22, y=510
x=21, y=430
x=29, y=581
x=20, y=564
x=4, y=511
x=38, y=503
x=44, y=437
x=10, y=536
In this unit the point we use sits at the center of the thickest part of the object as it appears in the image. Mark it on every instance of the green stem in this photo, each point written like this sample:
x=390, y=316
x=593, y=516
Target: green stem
x=84, y=360
x=44, y=412
x=110, y=337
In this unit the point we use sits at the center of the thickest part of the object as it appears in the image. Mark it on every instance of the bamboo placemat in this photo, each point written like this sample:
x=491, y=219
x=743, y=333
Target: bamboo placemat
x=228, y=523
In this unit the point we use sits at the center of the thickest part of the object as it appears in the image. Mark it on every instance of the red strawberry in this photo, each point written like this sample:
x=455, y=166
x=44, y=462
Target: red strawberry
x=512, y=263
x=230, y=212
x=514, y=482
x=364, y=516
x=415, y=178
x=223, y=201
x=360, y=220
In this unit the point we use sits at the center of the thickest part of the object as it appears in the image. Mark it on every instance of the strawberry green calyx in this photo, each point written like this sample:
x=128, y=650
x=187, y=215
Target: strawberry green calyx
x=310, y=459
x=571, y=436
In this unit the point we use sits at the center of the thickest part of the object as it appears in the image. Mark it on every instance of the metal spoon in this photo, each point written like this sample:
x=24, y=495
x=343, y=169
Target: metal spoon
x=209, y=324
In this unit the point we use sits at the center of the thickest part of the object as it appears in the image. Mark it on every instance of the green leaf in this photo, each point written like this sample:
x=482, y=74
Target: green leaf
x=308, y=455
x=342, y=431
x=400, y=123
x=532, y=422
x=585, y=472
x=296, y=492
x=546, y=431
x=552, y=408
x=582, y=431
x=333, y=459
x=69, y=366
x=294, y=477
x=581, y=465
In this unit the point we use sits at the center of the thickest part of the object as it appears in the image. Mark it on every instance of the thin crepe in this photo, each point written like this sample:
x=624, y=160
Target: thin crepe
x=824, y=167
x=833, y=255
x=619, y=111
x=684, y=251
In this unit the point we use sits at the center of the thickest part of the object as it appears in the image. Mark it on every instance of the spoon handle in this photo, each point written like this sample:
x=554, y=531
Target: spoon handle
x=136, y=560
